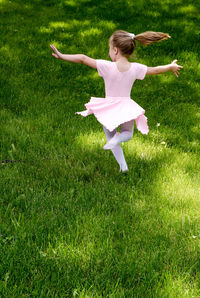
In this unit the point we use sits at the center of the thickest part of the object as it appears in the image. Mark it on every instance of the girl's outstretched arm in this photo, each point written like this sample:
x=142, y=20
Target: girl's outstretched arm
x=77, y=58
x=174, y=67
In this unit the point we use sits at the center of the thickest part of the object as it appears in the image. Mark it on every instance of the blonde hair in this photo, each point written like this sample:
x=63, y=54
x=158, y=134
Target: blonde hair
x=126, y=44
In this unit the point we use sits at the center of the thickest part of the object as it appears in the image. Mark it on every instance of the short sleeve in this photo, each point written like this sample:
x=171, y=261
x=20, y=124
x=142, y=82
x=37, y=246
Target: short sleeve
x=102, y=67
x=141, y=71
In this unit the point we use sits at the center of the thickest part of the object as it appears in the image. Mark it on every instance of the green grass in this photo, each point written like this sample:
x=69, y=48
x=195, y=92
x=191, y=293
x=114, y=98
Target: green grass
x=70, y=224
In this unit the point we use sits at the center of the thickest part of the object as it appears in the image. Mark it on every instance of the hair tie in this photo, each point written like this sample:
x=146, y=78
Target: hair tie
x=132, y=35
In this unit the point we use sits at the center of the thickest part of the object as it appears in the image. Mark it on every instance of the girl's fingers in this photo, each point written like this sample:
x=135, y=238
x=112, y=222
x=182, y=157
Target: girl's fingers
x=56, y=52
x=53, y=54
x=54, y=48
x=179, y=66
x=176, y=72
x=176, y=68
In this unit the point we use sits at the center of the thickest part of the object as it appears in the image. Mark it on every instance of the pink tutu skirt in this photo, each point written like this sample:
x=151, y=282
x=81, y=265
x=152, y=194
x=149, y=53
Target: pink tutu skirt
x=113, y=111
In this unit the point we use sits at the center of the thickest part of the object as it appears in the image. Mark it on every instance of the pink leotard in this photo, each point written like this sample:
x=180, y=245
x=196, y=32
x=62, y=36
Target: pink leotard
x=117, y=107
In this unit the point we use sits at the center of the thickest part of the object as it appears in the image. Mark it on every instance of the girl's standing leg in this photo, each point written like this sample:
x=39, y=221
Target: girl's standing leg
x=117, y=151
x=124, y=135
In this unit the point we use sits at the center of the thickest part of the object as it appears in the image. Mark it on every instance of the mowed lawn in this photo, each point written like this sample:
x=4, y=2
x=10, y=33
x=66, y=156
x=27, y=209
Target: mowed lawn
x=71, y=225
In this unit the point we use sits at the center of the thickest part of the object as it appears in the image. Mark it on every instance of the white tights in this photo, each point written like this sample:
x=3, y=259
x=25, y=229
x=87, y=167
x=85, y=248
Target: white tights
x=114, y=138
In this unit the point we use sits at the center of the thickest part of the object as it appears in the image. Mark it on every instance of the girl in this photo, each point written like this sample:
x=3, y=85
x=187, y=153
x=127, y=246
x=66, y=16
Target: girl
x=118, y=109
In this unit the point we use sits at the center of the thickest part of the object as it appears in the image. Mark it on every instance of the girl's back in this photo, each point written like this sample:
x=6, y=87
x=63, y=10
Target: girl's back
x=117, y=83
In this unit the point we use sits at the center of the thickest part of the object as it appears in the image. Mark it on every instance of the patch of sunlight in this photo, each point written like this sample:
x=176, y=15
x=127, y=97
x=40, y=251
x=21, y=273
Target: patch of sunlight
x=196, y=130
x=66, y=251
x=176, y=183
x=45, y=30
x=72, y=3
x=108, y=24
x=91, y=31
x=179, y=286
x=191, y=57
x=86, y=293
x=198, y=114
x=189, y=10
x=198, y=68
x=154, y=14
x=66, y=26
x=94, y=51
x=90, y=141
x=145, y=149
x=138, y=205
x=93, y=75
x=3, y=1
x=57, y=44
x=6, y=51
x=69, y=25
x=166, y=5
x=61, y=25
x=169, y=78
x=189, y=26
x=65, y=35
x=186, y=25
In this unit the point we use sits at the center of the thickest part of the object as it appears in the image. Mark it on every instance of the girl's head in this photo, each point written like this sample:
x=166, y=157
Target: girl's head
x=125, y=43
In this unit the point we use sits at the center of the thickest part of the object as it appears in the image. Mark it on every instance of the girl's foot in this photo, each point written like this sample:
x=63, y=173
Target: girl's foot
x=123, y=168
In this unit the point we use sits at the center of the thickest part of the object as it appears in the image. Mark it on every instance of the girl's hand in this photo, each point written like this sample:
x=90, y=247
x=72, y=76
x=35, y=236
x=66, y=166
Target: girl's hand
x=175, y=68
x=56, y=53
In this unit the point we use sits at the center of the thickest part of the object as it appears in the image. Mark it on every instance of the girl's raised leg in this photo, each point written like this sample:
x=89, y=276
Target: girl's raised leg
x=117, y=151
x=124, y=135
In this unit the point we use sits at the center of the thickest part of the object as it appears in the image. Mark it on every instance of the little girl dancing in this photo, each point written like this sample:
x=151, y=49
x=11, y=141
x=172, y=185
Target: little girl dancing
x=117, y=109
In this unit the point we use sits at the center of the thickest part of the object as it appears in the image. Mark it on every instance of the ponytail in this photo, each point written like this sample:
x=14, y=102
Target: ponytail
x=149, y=37
x=126, y=42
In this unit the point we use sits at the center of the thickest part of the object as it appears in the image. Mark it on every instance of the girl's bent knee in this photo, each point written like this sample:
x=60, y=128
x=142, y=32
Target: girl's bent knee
x=127, y=135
